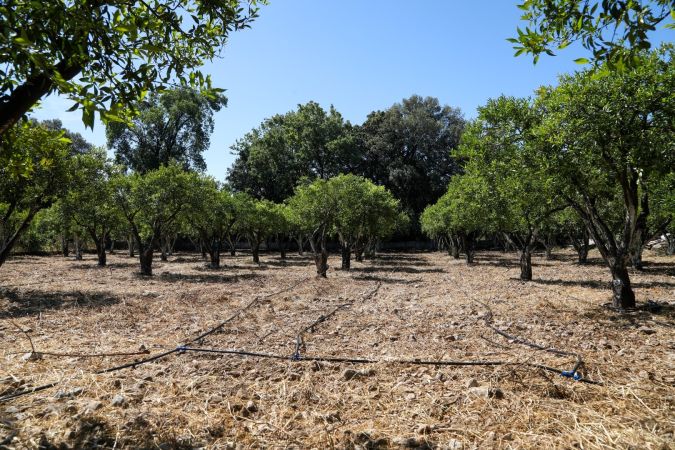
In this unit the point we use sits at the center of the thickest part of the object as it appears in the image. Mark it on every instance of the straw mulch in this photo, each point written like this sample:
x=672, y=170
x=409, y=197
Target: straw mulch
x=410, y=306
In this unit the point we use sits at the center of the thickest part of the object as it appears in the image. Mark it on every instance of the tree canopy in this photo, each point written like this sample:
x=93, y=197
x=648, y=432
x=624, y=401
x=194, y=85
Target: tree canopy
x=614, y=31
x=173, y=126
x=107, y=55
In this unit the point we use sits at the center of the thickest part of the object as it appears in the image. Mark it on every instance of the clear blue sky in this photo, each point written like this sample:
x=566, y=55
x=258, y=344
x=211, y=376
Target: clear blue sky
x=361, y=55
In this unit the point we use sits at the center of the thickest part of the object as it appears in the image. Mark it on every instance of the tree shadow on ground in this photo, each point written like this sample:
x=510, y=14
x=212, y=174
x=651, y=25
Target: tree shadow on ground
x=31, y=302
x=205, y=278
x=386, y=280
x=646, y=314
x=396, y=269
x=113, y=265
x=595, y=284
x=94, y=432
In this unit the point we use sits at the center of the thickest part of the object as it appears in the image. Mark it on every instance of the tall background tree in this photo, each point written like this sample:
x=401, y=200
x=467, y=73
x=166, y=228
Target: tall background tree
x=407, y=149
x=173, y=126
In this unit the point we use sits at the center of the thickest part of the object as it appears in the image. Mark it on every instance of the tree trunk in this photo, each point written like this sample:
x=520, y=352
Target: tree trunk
x=112, y=247
x=255, y=250
x=215, y=254
x=623, y=296
x=468, y=242
x=301, y=243
x=100, y=252
x=670, y=249
x=582, y=253
x=526, y=263
x=346, y=256
x=145, y=256
x=163, y=249
x=7, y=245
x=282, y=247
x=636, y=258
x=131, y=242
x=321, y=262
x=78, y=248
x=548, y=248
x=454, y=247
x=65, y=250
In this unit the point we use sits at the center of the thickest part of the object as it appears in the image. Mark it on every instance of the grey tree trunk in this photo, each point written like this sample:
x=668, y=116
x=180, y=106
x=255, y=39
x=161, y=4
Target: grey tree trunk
x=346, y=256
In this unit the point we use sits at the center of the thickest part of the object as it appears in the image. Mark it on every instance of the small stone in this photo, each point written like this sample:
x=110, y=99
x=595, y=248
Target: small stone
x=32, y=356
x=424, y=429
x=646, y=330
x=487, y=392
x=149, y=294
x=454, y=444
x=251, y=407
x=471, y=383
x=350, y=374
x=67, y=394
x=92, y=406
x=118, y=400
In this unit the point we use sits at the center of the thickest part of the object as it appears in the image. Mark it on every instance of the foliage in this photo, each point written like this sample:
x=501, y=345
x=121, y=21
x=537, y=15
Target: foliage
x=34, y=172
x=614, y=31
x=308, y=142
x=151, y=204
x=90, y=201
x=407, y=149
x=605, y=139
x=173, y=126
x=106, y=55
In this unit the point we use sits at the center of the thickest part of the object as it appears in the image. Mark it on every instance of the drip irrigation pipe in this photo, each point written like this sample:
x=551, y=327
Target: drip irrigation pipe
x=416, y=362
x=159, y=355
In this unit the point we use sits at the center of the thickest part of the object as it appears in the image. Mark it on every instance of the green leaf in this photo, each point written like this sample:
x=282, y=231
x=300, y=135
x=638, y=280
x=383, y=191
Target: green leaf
x=581, y=61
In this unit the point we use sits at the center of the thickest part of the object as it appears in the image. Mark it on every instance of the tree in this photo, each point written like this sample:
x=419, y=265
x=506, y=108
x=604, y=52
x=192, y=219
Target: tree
x=309, y=142
x=605, y=138
x=34, y=172
x=407, y=149
x=107, y=54
x=213, y=215
x=313, y=213
x=462, y=214
x=363, y=212
x=498, y=148
x=173, y=126
x=258, y=220
x=151, y=204
x=90, y=201
x=614, y=31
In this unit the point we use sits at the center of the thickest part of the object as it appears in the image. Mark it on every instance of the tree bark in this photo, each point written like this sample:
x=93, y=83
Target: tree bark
x=468, y=243
x=130, y=246
x=526, y=263
x=7, y=245
x=145, y=256
x=78, y=248
x=163, y=248
x=65, y=250
x=214, y=254
x=112, y=247
x=321, y=262
x=255, y=250
x=623, y=296
x=100, y=252
x=670, y=249
x=22, y=99
x=346, y=256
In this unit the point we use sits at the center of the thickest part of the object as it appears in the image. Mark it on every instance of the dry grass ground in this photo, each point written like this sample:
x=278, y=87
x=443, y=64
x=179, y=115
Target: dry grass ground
x=428, y=306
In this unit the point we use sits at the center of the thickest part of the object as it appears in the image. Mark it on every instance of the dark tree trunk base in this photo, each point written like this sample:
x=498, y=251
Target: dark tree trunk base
x=346, y=257
x=526, y=265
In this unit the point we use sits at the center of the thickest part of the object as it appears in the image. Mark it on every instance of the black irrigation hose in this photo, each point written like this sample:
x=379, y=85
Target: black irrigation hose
x=416, y=362
x=299, y=340
x=159, y=355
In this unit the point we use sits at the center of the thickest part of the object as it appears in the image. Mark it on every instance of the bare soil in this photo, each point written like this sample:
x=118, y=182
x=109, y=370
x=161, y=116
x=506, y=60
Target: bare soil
x=394, y=307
